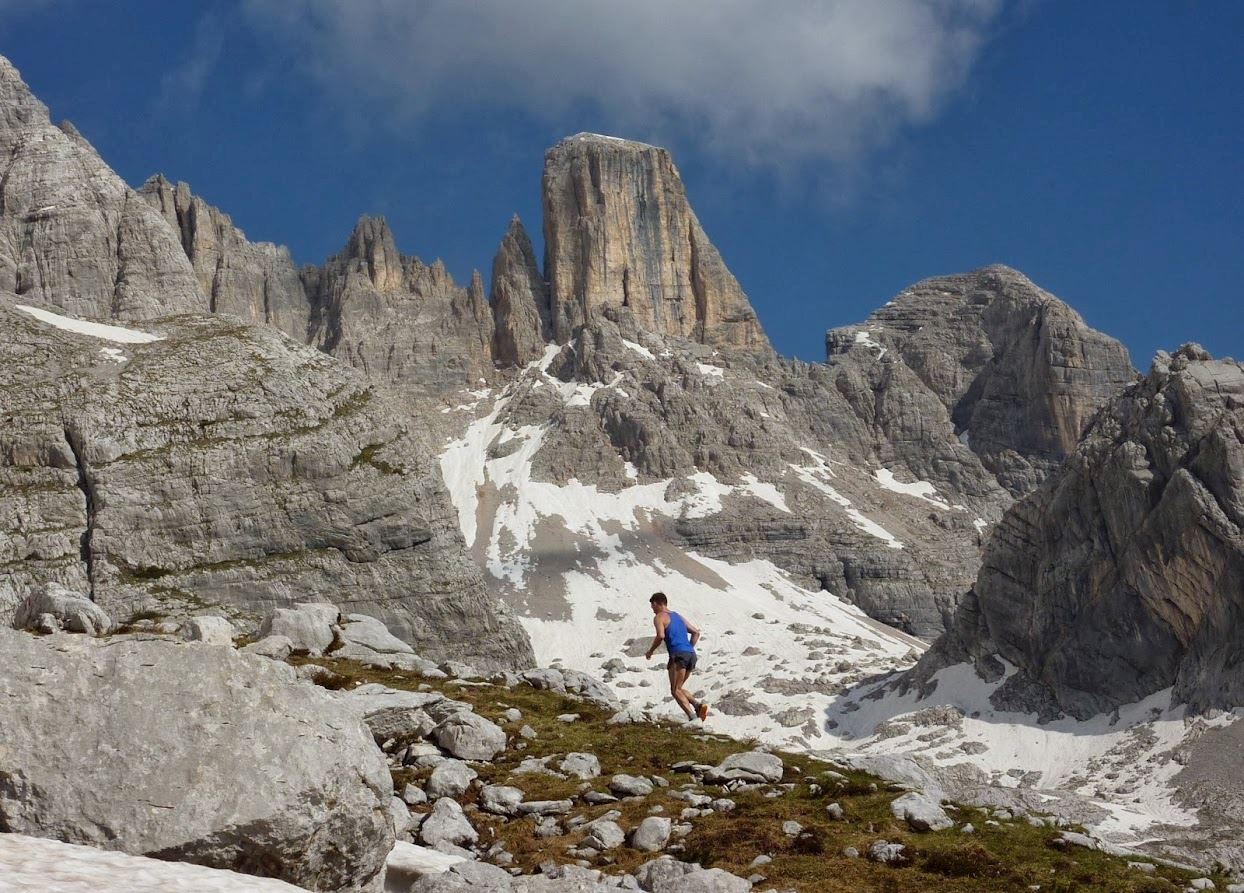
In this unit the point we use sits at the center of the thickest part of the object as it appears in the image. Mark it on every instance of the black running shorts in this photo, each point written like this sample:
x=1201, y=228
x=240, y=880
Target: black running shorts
x=684, y=659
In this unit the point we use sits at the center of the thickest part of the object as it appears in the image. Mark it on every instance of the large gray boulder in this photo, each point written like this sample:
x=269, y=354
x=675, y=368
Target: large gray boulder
x=397, y=713
x=652, y=834
x=921, y=812
x=469, y=736
x=754, y=766
x=71, y=612
x=447, y=823
x=450, y=779
x=192, y=753
x=307, y=625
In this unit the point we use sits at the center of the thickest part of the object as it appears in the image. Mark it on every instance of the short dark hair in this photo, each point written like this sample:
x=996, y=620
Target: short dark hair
x=658, y=598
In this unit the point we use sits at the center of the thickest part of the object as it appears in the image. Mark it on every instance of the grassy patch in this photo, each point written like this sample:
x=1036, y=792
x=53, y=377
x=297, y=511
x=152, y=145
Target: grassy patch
x=1007, y=855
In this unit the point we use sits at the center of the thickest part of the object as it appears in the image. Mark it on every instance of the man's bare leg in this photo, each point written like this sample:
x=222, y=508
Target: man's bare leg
x=677, y=676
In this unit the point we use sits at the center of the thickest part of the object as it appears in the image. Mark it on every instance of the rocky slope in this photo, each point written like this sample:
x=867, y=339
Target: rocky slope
x=73, y=236
x=1123, y=575
x=204, y=461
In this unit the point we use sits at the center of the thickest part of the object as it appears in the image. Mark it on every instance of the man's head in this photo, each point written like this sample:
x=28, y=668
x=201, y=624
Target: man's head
x=658, y=602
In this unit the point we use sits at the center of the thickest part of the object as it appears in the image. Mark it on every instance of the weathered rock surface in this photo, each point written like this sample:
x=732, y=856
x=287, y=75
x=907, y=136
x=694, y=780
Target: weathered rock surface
x=224, y=464
x=447, y=824
x=254, y=281
x=469, y=736
x=1019, y=371
x=397, y=319
x=1122, y=575
x=520, y=301
x=189, y=732
x=73, y=236
x=70, y=611
x=652, y=834
x=921, y=812
x=618, y=230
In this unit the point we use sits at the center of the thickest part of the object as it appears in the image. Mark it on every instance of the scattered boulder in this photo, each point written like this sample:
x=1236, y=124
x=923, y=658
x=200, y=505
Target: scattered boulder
x=652, y=834
x=69, y=611
x=513, y=714
x=791, y=828
x=413, y=795
x=271, y=647
x=921, y=812
x=835, y=812
x=399, y=714
x=753, y=766
x=450, y=779
x=545, y=807
x=500, y=799
x=309, y=626
x=580, y=765
x=469, y=736
x=630, y=786
x=604, y=834
x=190, y=735
x=662, y=874
x=369, y=641
x=447, y=823
x=211, y=630
x=887, y=853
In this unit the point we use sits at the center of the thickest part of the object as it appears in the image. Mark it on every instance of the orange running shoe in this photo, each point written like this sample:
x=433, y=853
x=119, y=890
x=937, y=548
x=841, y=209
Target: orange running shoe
x=702, y=712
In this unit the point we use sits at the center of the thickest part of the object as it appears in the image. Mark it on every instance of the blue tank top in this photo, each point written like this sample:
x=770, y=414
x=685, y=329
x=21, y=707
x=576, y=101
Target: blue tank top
x=677, y=640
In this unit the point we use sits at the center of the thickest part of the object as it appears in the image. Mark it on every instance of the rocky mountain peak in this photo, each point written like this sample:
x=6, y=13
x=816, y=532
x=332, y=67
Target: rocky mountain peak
x=619, y=230
x=1020, y=372
x=18, y=106
x=520, y=300
x=371, y=244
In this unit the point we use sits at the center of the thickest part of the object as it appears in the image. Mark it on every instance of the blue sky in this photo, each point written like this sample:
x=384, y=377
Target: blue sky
x=834, y=151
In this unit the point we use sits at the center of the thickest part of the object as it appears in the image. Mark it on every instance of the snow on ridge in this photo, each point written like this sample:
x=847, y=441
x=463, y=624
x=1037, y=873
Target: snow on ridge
x=117, y=334
x=815, y=477
x=919, y=489
x=865, y=338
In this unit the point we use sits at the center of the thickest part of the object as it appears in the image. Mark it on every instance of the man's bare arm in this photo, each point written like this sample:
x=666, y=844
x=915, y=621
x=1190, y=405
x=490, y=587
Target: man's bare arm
x=694, y=630
x=659, y=624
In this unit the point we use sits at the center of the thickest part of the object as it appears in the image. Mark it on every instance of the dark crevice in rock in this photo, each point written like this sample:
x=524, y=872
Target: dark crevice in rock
x=86, y=484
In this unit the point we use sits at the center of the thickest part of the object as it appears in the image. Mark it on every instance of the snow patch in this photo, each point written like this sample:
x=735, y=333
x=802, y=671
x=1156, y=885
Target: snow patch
x=639, y=349
x=711, y=371
x=866, y=339
x=919, y=489
x=117, y=334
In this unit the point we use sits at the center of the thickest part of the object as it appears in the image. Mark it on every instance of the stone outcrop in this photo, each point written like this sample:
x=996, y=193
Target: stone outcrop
x=520, y=301
x=254, y=281
x=1123, y=574
x=1019, y=371
x=164, y=749
x=225, y=464
x=397, y=319
x=619, y=231
x=73, y=236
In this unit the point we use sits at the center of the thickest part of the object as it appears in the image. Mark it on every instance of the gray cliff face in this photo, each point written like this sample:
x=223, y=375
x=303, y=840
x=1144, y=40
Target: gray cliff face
x=73, y=236
x=520, y=301
x=397, y=319
x=254, y=281
x=225, y=465
x=1019, y=371
x=619, y=231
x=1123, y=574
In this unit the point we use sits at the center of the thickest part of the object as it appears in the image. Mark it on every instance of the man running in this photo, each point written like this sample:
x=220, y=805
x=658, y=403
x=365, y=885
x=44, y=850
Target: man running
x=679, y=636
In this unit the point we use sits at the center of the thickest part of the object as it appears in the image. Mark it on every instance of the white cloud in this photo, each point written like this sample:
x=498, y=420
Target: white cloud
x=766, y=82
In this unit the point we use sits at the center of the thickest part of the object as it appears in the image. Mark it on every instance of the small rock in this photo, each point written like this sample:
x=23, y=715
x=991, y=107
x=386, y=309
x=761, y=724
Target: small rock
x=760, y=860
x=210, y=630
x=630, y=786
x=887, y=853
x=652, y=834
x=500, y=799
x=413, y=795
x=791, y=829
x=595, y=798
x=580, y=765
x=547, y=826
x=469, y=736
x=851, y=852
x=967, y=829
x=835, y=812
x=271, y=647
x=513, y=715
x=604, y=834
x=922, y=813
x=568, y=717
x=527, y=732
x=1202, y=883
x=450, y=779
x=447, y=824
x=545, y=807
x=1145, y=867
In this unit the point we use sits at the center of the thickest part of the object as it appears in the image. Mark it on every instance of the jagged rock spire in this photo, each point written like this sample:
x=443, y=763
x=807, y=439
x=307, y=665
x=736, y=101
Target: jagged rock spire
x=520, y=300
